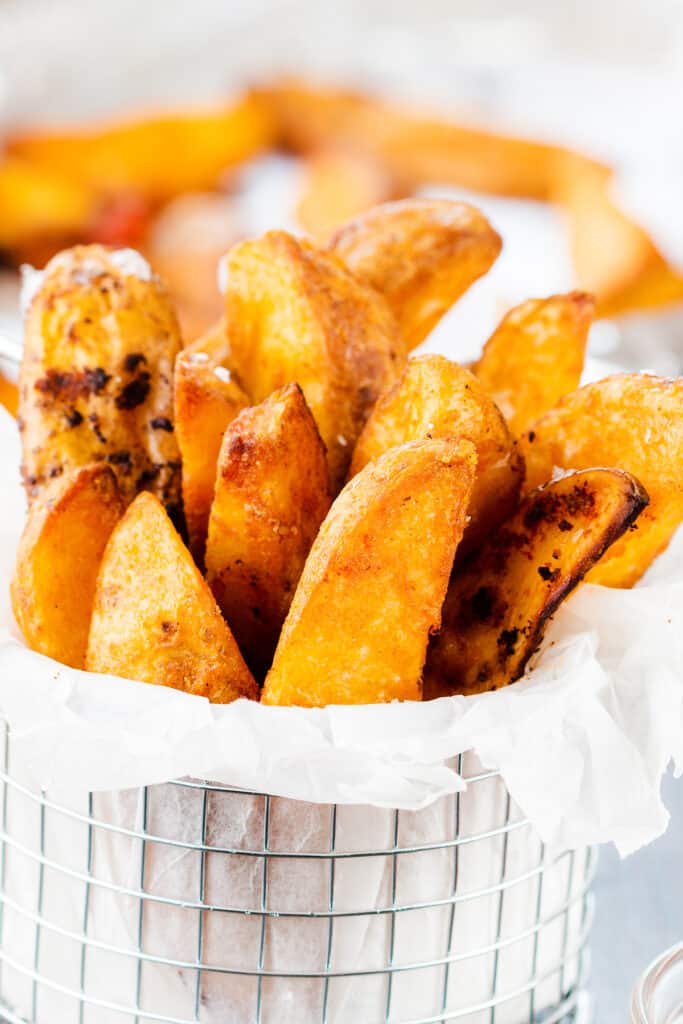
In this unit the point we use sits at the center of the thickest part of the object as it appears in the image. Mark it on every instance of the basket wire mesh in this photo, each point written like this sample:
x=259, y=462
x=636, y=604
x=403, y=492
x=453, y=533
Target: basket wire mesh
x=552, y=935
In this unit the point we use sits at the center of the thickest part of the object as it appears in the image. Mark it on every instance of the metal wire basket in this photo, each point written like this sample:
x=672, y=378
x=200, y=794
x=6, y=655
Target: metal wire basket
x=189, y=902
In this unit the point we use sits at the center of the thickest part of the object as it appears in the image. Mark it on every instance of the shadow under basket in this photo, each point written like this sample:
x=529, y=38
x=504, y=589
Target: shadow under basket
x=192, y=902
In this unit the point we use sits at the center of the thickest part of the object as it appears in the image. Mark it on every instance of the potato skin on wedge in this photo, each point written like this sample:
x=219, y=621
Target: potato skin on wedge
x=58, y=558
x=272, y=494
x=630, y=420
x=297, y=315
x=500, y=600
x=96, y=380
x=206, y=399
x=421, y=254
x=435, y=397
x=535, y=356
x=155, y=619
x=358, y=626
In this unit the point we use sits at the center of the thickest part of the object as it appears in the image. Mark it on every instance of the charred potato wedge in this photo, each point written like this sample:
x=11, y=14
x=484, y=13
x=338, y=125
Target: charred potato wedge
x=297, y=315
x=96, y=381
x=499, y=603
x=435, y=397
x=634, y=421
x=421, y=254
x=536, y=356
x=155, y=619
x=358, y=626
x=53, y=588
x=206, y=399
x=272, y=494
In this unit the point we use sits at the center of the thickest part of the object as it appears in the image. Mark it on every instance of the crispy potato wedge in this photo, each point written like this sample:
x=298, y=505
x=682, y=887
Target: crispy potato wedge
x=155, y=619
x=435, y=397
x=633, y=421
x=157, y=157
x=58, y=558
x=358, y=626
x=296, y=314
x=500, y=601
x=206, y=399
x=339, y=184
x=417, y=146
x=272, y=494
x=421, y=254
x=536, y=356
x=96, y=381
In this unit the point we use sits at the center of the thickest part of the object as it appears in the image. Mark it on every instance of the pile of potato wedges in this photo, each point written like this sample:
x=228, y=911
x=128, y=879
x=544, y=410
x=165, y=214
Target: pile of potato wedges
x=296, y=509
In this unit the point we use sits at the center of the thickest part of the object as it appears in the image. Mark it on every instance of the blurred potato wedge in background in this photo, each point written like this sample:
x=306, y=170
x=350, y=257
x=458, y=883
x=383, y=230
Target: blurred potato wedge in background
x=206, y=399
x=500, y=601
x=272, y=494
x=536, y=356
x=155, y=618
x=158, y=156
x=435, y=397
x=58, y=558
x=96, y=380
x=339, y=184
x=374, y=582
x=630, y=420
x=297, y=315
x=9, y=394
x=421, y=255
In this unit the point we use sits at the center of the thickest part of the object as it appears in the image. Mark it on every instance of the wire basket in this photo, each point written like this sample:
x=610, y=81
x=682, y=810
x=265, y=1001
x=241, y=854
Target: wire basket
x=188, y=902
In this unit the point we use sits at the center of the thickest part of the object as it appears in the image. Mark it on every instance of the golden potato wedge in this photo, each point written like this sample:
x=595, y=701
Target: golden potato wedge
x=157, y=157
x=206, y=399
x=296, y=314
x=58, y=558
x=96, y=381
x=416, y=145
x=500, y=601
x=272, y=494
x=155, y=619
x=435, y=397
x=339, y=184
x=535, y=356
x=421, y=254
x=37, y=205
x=373, y=585
x=633, y=421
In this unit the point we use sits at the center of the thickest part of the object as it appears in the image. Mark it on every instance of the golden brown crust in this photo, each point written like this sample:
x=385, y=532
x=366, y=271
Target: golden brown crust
x=272, y=493
x=499, y=602
x=435, y=397
x=297, y=315
x=358, y=626
x=155, y=619
x=421, y=255
x=96, y=380
x=53, y=587
x=630, y=420
x=535, y=356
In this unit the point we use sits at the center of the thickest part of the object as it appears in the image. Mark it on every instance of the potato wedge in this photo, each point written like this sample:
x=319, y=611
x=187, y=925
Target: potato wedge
x=9, y=394
x=206, y=399
x=39, y=206
x=339, y=184
x=296, y=314
x=272, y=494
x=633, y=421
x=500, y=601
x=155, y=619
x=156, y=157
x=535, y=356
x=435, y=397
x=58, y=558
x=421, y=254
x=374, y=582
x=96, y=381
